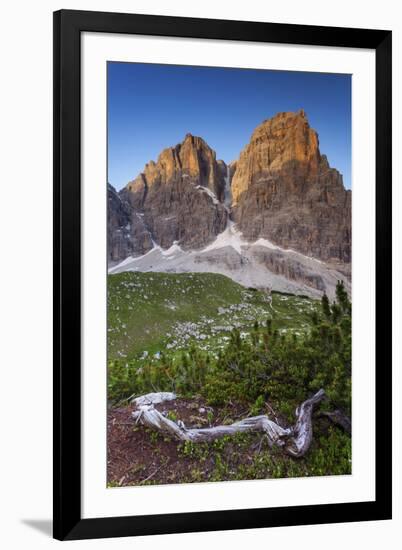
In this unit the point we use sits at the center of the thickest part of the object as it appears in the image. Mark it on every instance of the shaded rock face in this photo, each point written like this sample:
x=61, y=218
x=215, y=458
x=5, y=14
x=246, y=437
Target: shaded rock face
x=126, y=231
x=179, y=196
x=118, y=225
x=283, y=189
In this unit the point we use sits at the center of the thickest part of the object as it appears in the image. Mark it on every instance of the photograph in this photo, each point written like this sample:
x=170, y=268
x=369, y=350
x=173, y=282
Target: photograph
x=201, y=283
x=228, y=274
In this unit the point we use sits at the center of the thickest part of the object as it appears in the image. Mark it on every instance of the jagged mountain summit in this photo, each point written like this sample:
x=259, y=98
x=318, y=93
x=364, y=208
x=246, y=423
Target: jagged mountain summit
x=284, y=189
x=279, y=216
x=181, y=196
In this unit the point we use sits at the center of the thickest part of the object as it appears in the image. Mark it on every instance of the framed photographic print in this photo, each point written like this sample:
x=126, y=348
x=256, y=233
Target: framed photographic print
x=222, y=274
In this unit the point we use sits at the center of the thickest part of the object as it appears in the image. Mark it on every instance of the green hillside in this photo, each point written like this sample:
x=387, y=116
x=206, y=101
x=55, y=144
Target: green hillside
x=227, y=353
x=150, y=313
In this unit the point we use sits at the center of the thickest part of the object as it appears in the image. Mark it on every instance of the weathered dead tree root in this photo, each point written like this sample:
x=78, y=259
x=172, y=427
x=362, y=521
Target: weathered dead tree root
x=294, y=441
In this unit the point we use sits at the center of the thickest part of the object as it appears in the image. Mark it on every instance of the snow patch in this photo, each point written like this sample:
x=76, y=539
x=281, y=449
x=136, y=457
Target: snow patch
x=267, y=244
x=174, y=249
x=229, y=237
x=208, y=192
x=132, y=259
x=272, y=246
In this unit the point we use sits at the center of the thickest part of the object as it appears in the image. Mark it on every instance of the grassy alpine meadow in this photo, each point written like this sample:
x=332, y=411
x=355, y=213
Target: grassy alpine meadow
x=228, y=353
x=151, y=313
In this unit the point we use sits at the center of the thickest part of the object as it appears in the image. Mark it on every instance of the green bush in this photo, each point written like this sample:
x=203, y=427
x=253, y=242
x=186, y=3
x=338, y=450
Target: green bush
x=269, y=366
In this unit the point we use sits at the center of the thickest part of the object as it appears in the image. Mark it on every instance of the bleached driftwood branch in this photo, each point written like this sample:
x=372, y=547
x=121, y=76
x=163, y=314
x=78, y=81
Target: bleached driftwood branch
x=294, y=441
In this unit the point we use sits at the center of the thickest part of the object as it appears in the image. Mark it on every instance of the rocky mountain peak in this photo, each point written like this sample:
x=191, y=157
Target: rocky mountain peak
x=192, y=159
x=279, y=144
x=283, y=189
x=179, y=197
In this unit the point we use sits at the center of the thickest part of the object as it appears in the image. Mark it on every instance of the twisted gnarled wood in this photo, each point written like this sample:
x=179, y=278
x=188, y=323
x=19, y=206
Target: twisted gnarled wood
x=294, y=441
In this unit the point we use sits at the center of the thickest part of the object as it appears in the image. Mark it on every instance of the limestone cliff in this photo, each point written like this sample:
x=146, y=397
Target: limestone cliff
x=126, y=231
x=283, y=189
x=179, y=196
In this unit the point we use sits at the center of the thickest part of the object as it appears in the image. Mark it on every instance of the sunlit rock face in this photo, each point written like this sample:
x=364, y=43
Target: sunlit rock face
x=180, y=196
x=283, y=189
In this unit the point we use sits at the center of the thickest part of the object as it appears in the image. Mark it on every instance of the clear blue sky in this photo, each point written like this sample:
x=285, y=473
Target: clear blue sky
x=151, y=107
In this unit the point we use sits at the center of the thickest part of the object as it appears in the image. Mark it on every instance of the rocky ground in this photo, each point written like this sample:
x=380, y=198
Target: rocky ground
x=260, y=265
x=138, y=456
x=153, y=312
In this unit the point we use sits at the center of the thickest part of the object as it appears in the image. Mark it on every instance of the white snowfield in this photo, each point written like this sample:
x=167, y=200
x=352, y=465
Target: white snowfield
x=229, y=237
x=244, y=262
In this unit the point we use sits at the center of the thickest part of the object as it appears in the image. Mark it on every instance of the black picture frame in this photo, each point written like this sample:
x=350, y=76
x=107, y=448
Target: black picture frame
x=68, y=26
